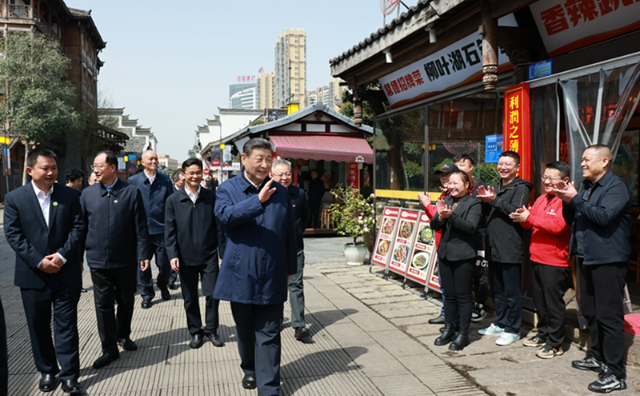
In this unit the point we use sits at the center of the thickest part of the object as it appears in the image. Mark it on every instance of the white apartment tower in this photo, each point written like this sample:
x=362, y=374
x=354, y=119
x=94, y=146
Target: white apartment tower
x=290, y=82
x=265, y=90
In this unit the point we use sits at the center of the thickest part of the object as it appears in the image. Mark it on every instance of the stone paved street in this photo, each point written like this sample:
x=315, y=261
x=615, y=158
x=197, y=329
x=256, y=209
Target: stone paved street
x=369, y=337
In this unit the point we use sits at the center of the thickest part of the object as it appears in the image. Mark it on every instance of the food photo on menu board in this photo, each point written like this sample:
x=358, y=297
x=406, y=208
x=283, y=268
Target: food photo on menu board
x=385, y=236
x=423, y=252
x=403, y=241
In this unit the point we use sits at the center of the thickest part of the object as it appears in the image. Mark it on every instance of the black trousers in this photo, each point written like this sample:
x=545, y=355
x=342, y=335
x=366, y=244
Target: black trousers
x=601, y=296
x=456, y=280
x=314, y=213
x=208, y=274
x=259, y=344
x=117, y=284
x=38, y=305
x=549, y=283
x=480, y=282
x=4, y=369
x=145, y=279
x=507, y=297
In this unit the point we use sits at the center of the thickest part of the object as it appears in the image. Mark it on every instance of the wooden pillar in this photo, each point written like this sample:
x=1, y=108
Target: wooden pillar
x=489, y=30
x=357, y=104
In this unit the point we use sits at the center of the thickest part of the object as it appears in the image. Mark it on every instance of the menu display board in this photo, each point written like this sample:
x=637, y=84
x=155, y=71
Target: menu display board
x=385, y=236
x=403, y=241
x=423, y=255
x=433, y=282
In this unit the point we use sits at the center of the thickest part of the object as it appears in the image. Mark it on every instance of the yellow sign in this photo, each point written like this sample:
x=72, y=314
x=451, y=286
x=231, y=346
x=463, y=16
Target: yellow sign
x=5, y=140
x=222, y=146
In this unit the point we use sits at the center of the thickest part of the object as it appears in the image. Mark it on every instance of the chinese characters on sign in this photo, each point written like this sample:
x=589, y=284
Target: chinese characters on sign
x=386, y=232
x=516, y=126
x=246, y=79
x=566, y=25
x=353, y=175
x=457, y=64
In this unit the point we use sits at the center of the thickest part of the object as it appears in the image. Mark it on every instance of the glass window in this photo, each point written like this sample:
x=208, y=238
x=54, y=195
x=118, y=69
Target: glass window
x=399, y=146
x=459, y=127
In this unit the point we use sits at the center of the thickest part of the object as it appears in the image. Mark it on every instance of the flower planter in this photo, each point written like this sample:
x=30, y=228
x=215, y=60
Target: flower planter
x=355, y=254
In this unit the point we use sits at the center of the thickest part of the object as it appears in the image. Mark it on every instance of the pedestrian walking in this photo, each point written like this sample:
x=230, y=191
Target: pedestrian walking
x=155, y=189
x=600, y=238
x=43, y=224
x=259, y=260
x=550, y=272
x=178, y=184
x=116, y=242
x=315, y=193
x=281, y=173
x=192, y=245
x=457, y=217
x=505, y=247
x=75, y=178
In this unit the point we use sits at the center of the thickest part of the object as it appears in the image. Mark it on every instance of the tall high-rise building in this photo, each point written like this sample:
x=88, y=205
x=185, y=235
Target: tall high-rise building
x=243, y=96
x=265, y=90
x=290, y=82
x=320, y=94
x=335, y=93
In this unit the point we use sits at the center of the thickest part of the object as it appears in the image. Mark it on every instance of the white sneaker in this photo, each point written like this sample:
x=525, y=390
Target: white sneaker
x=492, y=330
x=507, y=339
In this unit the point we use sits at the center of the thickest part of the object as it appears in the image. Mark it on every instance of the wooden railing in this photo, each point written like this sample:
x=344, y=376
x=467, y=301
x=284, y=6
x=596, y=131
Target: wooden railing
x=19, y=11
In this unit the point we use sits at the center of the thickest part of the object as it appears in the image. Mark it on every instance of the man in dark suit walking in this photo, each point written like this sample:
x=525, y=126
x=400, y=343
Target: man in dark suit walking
x=191, y=236
x=43, y=224
x=116, y=241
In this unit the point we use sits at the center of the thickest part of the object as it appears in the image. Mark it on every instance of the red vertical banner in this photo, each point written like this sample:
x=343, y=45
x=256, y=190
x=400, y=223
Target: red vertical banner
x=353, y=175
x=517, y=127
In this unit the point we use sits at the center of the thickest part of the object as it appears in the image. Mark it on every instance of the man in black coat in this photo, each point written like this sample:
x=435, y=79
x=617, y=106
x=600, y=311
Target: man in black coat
x=191, y=238
x=600, y=237
x=505, y=247
x=116, y=241
x=315, y=194
x=43, y=224
x=281, y=172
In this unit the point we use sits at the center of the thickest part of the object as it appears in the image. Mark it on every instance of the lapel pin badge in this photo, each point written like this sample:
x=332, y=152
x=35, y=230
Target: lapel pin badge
x=115, y=201
x=55, y=203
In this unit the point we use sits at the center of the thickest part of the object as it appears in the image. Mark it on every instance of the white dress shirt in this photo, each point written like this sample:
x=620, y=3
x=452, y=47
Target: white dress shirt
x=192, y=196
x=151, y=178
x=44, y=199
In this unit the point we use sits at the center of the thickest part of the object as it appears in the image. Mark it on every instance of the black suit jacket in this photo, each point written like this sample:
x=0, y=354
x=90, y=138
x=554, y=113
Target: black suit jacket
x=28, y=235
x=190, y=230
x=460, y=236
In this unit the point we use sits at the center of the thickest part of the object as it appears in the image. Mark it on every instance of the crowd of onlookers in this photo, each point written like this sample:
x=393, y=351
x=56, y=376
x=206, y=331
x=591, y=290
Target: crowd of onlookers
x=481, y=228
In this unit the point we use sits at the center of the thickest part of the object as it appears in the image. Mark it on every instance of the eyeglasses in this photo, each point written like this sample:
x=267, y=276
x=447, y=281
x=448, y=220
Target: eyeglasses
x=282, y=174
x=93, y=167
x=551, y=179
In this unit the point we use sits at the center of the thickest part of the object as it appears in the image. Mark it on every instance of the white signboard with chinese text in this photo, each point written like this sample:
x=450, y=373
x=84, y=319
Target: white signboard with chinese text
x=566, y=25
x=456, y=65
x=403, y=241
x=385, y=236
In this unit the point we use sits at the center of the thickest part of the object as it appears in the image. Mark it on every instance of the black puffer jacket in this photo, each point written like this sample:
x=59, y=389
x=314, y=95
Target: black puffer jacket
x=504, y=237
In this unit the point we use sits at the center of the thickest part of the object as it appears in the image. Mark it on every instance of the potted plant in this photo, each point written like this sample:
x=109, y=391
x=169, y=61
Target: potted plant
x=353, y=214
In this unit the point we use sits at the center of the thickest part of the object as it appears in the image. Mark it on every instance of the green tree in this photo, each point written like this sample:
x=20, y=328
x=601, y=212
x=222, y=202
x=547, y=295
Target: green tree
x=38, y=100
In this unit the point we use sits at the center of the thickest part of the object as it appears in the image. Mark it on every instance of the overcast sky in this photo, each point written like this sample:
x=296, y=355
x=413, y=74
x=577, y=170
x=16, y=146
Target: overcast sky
x=170, y=63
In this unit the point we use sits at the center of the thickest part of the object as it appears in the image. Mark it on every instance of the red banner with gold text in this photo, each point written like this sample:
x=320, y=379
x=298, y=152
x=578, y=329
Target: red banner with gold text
x=517, y=127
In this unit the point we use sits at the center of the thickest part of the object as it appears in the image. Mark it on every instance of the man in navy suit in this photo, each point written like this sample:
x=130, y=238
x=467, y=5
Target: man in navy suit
x=43, y=224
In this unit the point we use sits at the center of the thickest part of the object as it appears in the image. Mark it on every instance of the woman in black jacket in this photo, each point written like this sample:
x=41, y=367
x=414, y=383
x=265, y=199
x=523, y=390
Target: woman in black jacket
x=458, y=216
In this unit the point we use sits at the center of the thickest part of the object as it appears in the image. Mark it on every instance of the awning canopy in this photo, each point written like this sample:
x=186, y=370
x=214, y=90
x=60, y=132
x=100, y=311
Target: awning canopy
x=323, y=147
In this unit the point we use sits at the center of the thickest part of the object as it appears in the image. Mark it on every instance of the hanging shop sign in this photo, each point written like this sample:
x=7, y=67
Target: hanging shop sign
x=385, y=236
x=423, y=252
x=517, y=135
x=402, y=243
x=566, y=25
x=453, y=66
x=493, y=147
x=353, y=175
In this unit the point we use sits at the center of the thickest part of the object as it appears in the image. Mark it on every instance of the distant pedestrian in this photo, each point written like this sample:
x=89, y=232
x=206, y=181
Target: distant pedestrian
x=43, y=224
x=457, y=217
x=315, y=193
x=259, y=260
x=75, y=178
x=192, y=246
x=550, y=272
x=178, y=183
x=116, y=242
x=600, y=237
x=281, y=172
x=505, y=247
x=155, y=189
x=92, y=179
x=480, y=280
